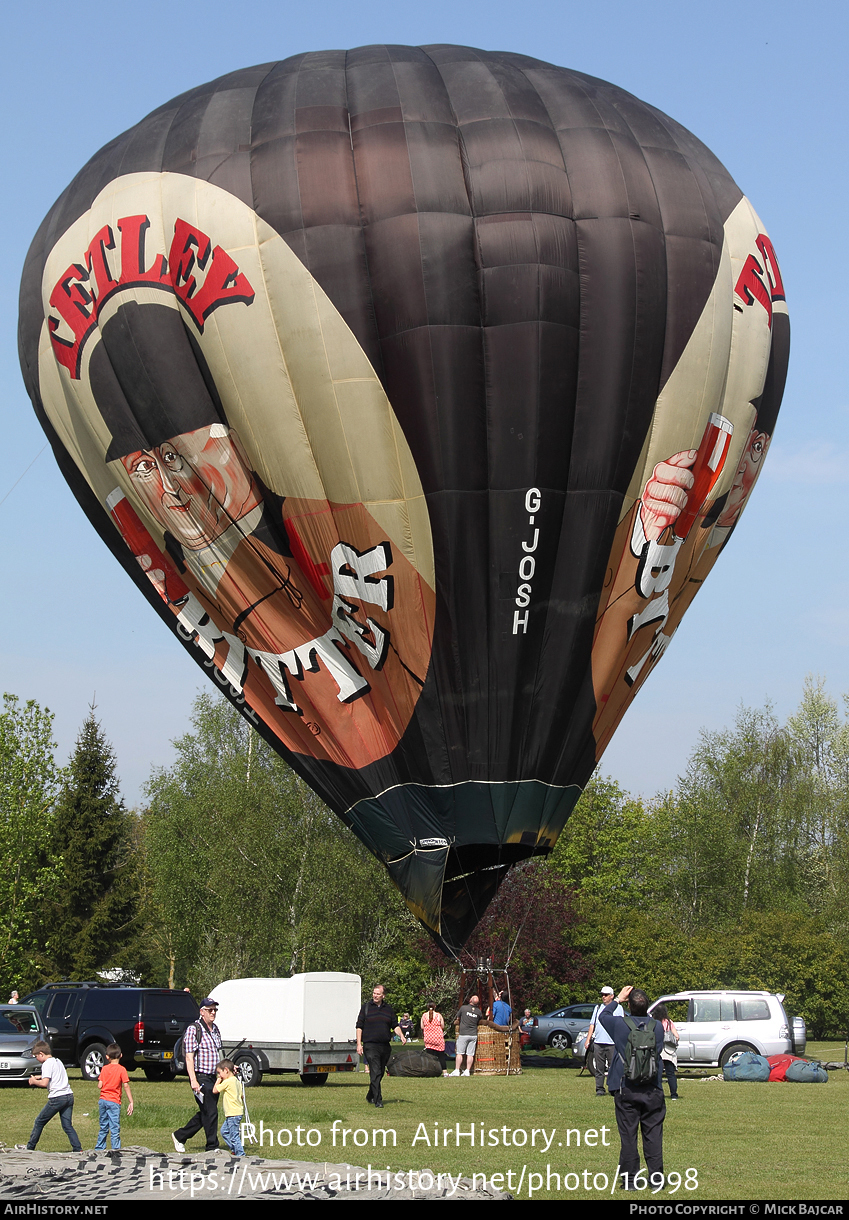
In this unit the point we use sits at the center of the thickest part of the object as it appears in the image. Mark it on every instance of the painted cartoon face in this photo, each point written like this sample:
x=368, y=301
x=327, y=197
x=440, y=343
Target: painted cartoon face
x=195, y=485
x=744, y=479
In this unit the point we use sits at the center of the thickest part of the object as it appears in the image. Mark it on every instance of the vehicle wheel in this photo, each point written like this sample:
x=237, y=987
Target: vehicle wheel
x=314, y=1079
x=560, y=1041
x=249, y=1070
x=158, y=1072
x=92, y=1060
x=732, y=1050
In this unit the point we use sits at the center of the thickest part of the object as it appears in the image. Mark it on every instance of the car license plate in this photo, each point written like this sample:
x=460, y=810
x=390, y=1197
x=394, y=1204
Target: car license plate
x=167, y=1054
x=326, y=1067
x=5, y=1065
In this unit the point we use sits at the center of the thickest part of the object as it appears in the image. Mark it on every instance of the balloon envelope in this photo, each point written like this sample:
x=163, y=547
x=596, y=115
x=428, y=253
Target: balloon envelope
x=418, y=389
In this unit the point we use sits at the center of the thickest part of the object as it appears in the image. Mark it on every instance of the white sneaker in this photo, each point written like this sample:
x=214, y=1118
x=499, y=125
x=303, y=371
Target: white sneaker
x=456, y=1072
x=22, y=1148
x=178, y=1147
x=466, y=1073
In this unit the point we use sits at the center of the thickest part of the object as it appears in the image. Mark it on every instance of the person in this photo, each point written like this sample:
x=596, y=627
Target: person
x=602, y=1043
x=525, y=1026
x=639, y=1102
x=433, y=1032
x=229, y=1087
x=669, y=1054
x=467, y=1036
x=60, y=1098
x=375, y=1025
x=202, y=1048
x=112, y=1079
x=13, y=998
x=501, y=1010
x=406, y=1024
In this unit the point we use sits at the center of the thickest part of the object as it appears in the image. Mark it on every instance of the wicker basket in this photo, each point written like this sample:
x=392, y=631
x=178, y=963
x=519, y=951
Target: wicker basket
x=497, y=1052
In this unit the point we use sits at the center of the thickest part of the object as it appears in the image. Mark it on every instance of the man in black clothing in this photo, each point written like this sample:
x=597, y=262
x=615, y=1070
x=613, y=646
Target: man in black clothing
x=375, y=1026
x=639, y=1104
x=202, y=1047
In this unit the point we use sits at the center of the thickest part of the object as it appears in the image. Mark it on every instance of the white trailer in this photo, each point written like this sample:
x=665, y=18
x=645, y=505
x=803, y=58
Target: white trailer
x=305, y=1024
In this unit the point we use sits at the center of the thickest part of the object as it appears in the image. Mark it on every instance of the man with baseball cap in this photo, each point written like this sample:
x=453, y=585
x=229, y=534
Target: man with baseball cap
x=603, y=1043
x=202, y=1049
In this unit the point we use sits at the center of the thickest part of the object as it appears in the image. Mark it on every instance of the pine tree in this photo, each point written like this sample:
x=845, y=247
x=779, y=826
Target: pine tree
x=93, y=924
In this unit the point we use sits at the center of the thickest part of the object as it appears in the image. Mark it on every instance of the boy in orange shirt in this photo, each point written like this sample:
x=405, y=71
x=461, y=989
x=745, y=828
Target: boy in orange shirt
x=112, y=1078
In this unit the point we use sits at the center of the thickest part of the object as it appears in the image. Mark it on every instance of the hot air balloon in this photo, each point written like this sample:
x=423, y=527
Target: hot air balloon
x=418, y=390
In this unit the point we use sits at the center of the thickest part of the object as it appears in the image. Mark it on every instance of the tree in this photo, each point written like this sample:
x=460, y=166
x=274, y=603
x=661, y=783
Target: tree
x=729, y=824
x=760, y=821
x=608, y=849
x=93, y=922
x=530, y=923
x=528, y=927
x=821, y=741
x=737, y=878
x=247, y=871
x=29, y=785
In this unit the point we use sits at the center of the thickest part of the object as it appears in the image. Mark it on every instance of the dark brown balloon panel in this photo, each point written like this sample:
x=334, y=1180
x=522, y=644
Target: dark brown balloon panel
x=466, y=365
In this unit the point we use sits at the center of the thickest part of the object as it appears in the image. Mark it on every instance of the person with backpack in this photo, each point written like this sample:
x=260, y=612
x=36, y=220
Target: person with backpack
x=202, y=1048
x=636, y=1082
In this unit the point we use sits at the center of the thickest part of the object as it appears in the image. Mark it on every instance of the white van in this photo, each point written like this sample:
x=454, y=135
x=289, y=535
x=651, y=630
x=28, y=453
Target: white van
x=713, y=1025
x=305, y=1024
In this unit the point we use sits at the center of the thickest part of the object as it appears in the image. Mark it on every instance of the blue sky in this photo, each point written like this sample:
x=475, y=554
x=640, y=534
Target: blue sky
x=764, y=85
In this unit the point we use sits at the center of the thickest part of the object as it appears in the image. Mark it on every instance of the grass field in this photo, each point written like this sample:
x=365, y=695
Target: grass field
x=744, y=1141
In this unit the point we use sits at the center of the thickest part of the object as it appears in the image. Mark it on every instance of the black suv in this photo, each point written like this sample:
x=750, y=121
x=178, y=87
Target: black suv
x=83, y=1018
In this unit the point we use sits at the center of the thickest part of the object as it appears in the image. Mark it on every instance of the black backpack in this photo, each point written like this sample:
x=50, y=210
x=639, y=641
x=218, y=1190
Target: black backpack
x=179, y=1049
x=641, y=1052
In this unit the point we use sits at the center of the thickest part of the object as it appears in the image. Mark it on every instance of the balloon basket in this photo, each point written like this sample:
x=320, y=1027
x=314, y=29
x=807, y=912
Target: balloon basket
x=497, y=1052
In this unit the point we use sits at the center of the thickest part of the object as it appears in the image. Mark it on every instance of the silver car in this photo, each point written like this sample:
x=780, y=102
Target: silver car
x=560, y=1029
x=714, y=1025
x=20, y=1028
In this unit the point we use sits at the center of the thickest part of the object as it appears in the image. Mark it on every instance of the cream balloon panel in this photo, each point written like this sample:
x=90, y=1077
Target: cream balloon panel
x=722, y=368
x=293, y=380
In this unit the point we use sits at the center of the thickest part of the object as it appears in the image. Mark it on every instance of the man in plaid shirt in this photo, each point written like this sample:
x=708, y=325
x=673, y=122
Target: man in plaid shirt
x=202, y=1048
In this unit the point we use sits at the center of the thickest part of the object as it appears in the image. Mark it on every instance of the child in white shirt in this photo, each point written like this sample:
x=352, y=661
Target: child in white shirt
x=60, y=1097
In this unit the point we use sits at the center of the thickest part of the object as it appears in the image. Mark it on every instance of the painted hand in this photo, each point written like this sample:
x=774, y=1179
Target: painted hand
x=665, y=494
